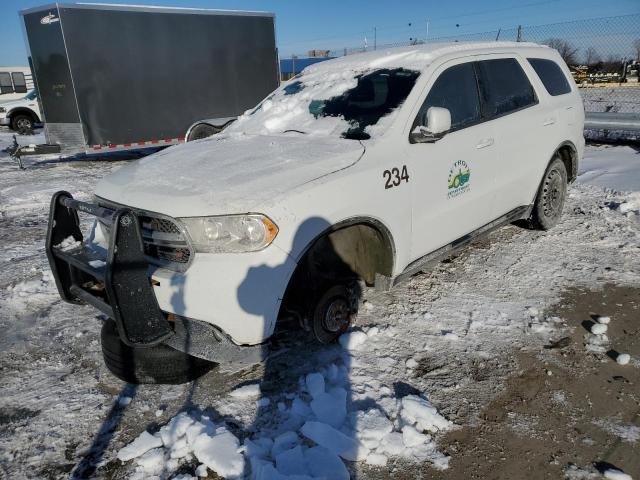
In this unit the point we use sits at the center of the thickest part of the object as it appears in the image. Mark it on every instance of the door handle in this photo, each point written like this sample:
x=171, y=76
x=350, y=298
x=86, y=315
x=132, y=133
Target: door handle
x=487, y=142
x=549, y=121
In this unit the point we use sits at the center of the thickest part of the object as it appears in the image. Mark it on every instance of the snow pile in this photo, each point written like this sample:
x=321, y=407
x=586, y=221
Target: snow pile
x=623, y=358
x=318, y=428
x=182, y=439
x=615, y=474
x=29, y=293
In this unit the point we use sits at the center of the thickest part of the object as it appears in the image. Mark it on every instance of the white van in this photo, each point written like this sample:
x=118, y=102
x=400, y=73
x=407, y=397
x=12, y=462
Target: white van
x=362, y=170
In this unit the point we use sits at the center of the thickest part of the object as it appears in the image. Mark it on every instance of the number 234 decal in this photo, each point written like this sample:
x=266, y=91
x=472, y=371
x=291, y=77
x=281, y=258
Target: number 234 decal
x=395, y=176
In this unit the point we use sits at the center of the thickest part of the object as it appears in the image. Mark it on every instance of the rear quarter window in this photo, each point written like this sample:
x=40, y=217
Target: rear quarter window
x=504, y=87
x=553, y=79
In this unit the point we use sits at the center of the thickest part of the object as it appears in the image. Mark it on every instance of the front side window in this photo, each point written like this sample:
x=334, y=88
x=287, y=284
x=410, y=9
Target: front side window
x=5, y=83
x=19, y=83
x=554, y=81
x=456, y=90
x=504, y=87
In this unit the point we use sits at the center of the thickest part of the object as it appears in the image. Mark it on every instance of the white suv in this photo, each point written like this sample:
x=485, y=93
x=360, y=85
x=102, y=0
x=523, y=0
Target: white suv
x=362, y=170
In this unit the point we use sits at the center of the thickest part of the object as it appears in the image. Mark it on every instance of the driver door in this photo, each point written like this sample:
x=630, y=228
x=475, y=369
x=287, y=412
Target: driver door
x=452, y=177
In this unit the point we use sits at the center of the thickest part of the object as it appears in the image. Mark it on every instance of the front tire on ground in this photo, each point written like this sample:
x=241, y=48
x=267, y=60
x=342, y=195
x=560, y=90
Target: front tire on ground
x=21, y=123
x=552, y=193
x=160, y=364
x=333, y=313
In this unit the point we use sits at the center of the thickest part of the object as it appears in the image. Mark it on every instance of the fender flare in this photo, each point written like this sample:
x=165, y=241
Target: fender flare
x=24, y=110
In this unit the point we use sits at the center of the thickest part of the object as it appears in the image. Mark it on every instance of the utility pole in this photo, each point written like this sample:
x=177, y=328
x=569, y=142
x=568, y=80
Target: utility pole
x=427, y=37
x=519, y=38
x=375, y=37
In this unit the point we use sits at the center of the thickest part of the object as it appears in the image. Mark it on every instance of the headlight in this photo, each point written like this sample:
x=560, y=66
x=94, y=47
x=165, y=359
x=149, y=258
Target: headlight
x=230, y=233
x=2, y=109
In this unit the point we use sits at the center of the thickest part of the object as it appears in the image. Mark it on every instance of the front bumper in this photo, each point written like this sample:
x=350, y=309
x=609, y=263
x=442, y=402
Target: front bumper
x=239, y=294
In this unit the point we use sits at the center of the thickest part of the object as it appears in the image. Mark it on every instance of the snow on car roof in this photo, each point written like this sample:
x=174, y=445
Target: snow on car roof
x=412, y=57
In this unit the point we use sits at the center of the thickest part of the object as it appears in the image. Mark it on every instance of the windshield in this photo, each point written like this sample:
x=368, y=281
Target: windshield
x=346, y=105
x=31, y=95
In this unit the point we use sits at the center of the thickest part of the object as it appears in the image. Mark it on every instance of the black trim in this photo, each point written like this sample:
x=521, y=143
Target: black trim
x=441, y=253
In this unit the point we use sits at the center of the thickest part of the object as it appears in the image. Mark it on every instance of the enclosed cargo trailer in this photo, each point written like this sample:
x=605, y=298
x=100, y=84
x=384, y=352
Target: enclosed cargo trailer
x=117, y=77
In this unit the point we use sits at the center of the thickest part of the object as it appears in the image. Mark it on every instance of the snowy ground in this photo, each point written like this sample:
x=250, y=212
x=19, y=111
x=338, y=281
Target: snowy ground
x=425, y=358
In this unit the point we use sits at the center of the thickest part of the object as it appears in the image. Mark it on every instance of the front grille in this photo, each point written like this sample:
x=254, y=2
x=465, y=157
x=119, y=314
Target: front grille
x=165, y=242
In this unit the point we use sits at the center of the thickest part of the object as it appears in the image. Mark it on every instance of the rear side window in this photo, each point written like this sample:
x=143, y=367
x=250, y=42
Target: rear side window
x=5, y=83
x=457, y=91
x=551, y=75
x=19, y=83
x=504, y=87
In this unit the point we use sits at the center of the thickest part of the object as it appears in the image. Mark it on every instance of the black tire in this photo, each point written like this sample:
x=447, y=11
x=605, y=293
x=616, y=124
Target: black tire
x=552, y=194
x=202, y=130
x=333, y=313
x=160, y=364
x=21, y=123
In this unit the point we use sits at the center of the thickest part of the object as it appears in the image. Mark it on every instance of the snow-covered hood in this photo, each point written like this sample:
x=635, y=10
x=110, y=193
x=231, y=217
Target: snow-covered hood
x=227, y=174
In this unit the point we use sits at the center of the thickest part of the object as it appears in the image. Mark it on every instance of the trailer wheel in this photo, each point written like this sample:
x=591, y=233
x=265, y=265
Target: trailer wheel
x=160, y=364
x=202, y=130
x=21, y=123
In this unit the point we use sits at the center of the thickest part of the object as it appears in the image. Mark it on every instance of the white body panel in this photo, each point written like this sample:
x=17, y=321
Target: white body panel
x=18, y=104
x=308, y=183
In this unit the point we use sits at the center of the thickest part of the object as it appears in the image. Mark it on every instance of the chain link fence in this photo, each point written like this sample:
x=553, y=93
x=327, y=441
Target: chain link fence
x=603, y=55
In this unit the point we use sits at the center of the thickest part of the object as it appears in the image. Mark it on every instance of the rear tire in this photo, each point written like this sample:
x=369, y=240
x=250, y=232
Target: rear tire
x=160, y=364
x=334, y=312
x=552, y=193
x=21, y=123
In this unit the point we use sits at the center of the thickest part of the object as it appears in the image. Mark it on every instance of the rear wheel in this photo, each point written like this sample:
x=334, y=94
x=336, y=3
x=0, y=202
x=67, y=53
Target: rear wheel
x=21, y=123
x=333, y=313
x=552, y=193
x=160, y=364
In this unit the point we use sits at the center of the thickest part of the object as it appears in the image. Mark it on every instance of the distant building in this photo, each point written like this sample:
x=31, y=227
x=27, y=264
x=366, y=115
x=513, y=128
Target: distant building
x=290, y=67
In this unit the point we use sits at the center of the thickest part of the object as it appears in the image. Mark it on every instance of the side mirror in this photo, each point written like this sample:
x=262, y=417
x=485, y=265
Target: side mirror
x=435, y=124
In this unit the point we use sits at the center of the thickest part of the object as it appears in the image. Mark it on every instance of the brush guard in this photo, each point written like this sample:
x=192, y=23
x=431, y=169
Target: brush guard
x=119, y=286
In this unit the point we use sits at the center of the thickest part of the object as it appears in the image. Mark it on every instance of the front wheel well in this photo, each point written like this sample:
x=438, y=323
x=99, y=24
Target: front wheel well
x=347, y=252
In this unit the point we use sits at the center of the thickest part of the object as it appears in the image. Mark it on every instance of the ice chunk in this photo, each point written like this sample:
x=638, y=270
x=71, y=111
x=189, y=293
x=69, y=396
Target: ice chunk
x=175, y=429
x=334, y=440
x=392, y=444
x=331, y=408
x=220, y=453
x=140, y=445
x=411, y=363
x=300, y=408
x=598, y=328
x=291, y=462
x=603, y=319
x=615, y=474
x=352, y=340
x=418, y=411
x=202, y=470
x=376, y=459
x=412, y=437
x=322, y=463
x=153, y=461
x=623, y=358
x=371, y=426
x=246, y=391
x=315, y=384
x=284, y=441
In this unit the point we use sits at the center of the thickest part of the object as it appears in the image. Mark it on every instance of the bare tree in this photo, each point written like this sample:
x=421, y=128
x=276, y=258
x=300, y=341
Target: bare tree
x=567, y=50
x=636, y=47
x=591, y=57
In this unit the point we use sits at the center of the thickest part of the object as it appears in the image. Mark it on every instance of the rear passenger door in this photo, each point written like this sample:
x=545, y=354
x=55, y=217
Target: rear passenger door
x=510, y=104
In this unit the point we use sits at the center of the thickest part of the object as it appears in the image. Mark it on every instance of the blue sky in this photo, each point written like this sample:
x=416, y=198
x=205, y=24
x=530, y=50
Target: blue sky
x=333, y=24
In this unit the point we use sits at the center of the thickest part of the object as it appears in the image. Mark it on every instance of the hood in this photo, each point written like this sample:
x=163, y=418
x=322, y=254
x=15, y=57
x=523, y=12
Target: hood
x=227, y=174
x=16, y=102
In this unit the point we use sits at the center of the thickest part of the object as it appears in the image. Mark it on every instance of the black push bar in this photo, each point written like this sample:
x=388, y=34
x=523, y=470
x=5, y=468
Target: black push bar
x=119, y=286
